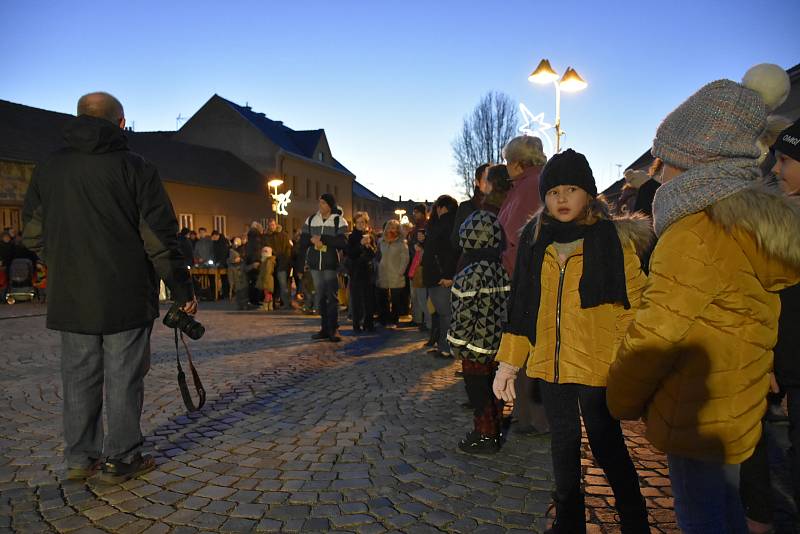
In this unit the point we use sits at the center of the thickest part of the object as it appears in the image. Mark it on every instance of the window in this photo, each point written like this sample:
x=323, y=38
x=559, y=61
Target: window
x=294, y=185
x=317, y=189
x=321, y=156
x=327, y=188
x=336, y=191
x=308, y=188
x=10, y=218
x=219, y=224
x=186, y=221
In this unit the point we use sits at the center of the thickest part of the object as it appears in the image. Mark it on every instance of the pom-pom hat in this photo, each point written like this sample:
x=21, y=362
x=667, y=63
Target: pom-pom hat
x=722, y=120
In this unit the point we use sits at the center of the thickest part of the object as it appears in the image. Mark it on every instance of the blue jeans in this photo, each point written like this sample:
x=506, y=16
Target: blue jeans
x=706, y=496
x=283, y=288
x=440, y=297
x=326, y=287
x=119, y=360
x=419, y=306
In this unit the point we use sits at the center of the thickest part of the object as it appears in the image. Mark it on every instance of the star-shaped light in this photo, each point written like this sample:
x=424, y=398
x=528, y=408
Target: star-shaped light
x=535, y=126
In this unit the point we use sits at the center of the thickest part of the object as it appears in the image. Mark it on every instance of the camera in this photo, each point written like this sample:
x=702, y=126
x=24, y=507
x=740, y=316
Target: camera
x=177, y=318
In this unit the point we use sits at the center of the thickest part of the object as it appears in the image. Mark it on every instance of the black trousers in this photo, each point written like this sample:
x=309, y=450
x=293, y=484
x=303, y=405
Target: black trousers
x=389, y=303
x=362, y=301
x=564, y=405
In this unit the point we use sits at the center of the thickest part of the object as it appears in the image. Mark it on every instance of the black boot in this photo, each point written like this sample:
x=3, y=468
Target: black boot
x=477, y=443
x=570, y=515
x=633, y=515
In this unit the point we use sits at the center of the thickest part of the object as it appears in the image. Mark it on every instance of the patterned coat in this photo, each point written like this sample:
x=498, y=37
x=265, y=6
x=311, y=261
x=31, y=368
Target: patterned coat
x=480, y=290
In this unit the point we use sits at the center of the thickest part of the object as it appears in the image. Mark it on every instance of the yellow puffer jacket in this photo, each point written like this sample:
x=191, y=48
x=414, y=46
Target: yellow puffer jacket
x=579, y=347
x=696, y=358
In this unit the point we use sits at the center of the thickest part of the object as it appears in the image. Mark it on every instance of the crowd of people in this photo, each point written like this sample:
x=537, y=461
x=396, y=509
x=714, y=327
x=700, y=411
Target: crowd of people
x=609, y=314
x=664, y=306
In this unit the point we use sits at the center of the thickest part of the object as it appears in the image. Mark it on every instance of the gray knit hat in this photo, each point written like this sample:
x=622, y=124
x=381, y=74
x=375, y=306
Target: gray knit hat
x=722, y=120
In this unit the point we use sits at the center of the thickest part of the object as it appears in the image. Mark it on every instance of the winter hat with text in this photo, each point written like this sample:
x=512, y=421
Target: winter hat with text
x=722, y=120
x=789, y=141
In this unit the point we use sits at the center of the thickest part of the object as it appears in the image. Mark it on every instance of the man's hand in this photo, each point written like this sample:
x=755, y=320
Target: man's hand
x=316, y=240
x=445, y=283
x=190, y=307
x=503, y=385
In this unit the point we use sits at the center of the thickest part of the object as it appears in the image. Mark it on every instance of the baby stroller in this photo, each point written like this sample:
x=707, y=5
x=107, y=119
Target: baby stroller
x=20, y=281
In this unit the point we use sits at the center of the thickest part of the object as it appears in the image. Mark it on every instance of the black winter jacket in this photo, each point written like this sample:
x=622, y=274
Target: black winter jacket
x=359, y=257
x=787, y=351
x=440, y=256
x=99, y=216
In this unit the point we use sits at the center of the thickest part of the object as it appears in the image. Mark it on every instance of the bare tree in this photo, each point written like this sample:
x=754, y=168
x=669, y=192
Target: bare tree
x=485, y=132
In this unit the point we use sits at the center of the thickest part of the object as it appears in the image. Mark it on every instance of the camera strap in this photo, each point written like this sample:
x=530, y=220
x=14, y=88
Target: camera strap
x=198, y=385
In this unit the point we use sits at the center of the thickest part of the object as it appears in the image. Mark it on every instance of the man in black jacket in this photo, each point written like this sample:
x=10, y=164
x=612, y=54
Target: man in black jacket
x=103, y=291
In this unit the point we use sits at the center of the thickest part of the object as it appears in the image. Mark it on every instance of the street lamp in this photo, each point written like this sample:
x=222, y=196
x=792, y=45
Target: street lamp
x=571, y=82
x=400, y=212
x=275, y=183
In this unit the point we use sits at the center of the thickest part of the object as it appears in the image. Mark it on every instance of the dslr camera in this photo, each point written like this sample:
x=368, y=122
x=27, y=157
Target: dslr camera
x=179, y=319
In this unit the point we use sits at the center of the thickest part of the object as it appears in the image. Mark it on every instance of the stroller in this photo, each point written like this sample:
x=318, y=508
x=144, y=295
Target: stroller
x=20, y=281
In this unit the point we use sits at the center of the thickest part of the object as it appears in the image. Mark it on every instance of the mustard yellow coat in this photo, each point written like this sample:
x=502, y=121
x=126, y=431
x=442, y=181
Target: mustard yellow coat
x=696, y=359
x=588, y=338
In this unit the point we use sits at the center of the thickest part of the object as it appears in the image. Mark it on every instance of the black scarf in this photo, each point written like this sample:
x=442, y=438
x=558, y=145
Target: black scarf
x=602, y=280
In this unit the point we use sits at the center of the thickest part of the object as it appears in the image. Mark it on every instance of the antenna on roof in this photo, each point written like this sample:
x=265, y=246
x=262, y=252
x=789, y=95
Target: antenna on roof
x=179, y=120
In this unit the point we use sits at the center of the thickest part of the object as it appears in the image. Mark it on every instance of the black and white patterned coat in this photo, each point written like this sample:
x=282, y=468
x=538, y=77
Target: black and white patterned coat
x=480, y=290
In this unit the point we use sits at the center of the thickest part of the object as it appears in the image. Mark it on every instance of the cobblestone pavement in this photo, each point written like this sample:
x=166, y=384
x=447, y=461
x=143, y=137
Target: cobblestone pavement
x=296, y=436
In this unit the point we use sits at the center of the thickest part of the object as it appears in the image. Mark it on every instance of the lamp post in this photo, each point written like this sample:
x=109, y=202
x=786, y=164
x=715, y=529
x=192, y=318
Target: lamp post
x=275, y=183
x=571, y=82
x=400, y=214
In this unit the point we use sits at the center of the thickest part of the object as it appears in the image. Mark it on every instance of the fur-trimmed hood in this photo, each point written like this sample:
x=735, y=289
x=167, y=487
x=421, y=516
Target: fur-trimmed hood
x=637, y=229
x=766, y=224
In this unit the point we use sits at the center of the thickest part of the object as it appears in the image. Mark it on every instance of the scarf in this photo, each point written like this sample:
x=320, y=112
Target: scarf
x=701, y=187
x=602, y=280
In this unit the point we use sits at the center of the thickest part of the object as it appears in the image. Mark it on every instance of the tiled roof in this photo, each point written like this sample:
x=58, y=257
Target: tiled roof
x=300, y=142
x=31, y=134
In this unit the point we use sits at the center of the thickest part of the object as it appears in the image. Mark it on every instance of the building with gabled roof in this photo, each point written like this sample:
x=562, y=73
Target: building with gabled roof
x=301, y=158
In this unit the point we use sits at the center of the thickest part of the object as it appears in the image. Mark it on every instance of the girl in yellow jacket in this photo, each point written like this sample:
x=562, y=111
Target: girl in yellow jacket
x=695, y=362
x=576, y=285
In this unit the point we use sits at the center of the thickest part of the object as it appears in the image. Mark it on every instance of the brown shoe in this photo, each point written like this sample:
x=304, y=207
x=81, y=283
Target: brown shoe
x=82, y=473
x=117, y=471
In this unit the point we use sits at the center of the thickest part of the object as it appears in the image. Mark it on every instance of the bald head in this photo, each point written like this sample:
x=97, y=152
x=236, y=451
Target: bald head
x=103, y=106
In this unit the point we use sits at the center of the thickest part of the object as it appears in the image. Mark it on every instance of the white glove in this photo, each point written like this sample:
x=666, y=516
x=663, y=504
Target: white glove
x=503, y=385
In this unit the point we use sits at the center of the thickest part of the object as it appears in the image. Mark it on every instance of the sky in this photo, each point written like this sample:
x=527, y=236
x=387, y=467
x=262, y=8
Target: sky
x=391, y=82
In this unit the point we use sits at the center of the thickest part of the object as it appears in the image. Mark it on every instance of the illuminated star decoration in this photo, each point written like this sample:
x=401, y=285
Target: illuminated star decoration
x=535, y=126
x=282, y=200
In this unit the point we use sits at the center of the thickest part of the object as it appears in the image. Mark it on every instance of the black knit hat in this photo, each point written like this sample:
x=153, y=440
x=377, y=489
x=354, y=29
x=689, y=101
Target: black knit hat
x=567, y=168
x=789, y=141
x=329, y=200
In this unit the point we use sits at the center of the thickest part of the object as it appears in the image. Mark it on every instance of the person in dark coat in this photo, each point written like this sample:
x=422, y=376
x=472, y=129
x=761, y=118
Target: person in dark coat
x=787, y=350
x=439, y=260
x=360, y=252
x=103, y=291
x=187, y=251
x=252, y=255
x=278, y=240
x=470, y=205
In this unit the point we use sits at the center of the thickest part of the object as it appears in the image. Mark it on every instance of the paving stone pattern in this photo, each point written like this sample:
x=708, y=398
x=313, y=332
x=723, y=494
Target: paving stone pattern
x=296, y=436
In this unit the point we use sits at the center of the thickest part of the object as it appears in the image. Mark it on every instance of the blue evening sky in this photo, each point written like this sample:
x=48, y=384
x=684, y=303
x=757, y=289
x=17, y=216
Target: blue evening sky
x=391, y=81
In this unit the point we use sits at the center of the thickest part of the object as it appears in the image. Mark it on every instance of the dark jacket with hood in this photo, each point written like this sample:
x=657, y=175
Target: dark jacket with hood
x=99, y=216
x=281, y=247
x=359, y=257
x=440, y=256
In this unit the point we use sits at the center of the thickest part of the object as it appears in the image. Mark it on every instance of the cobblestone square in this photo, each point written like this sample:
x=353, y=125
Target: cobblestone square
x=296, y=436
